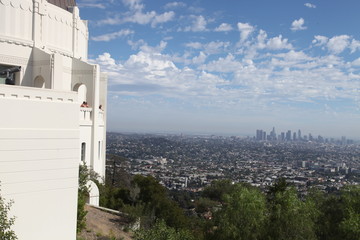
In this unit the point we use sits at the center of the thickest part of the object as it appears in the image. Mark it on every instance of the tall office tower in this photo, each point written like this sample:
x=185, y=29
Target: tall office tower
x=310, y=137
x=45, y=133
x=299, y=134
x=288, y=135
x=273, y=134
x=282, y=136
x=343, y=140
x=259, y=134
x=264, y=136
x=294, y=136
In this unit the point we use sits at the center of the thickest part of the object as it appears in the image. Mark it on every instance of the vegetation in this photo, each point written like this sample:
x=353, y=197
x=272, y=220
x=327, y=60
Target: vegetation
x=161, y=231
x=242, y=216
x=5, y=221
x=83, y=193
x=232, y=211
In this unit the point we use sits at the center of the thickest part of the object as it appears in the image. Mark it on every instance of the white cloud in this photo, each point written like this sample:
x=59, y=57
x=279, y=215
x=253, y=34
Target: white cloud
x=173, y=5
x=356, y=62
x=245, y=30
x=354, y=46
x=215, y=47
x=250, y=48
x=140, y=17
x=152, y=62
x=199, y=59
x=261, y=38
x=157, y=49
x=91, y=5
x=137, y=15
x=277, y=43
x=320, y=40
x=195, y=45
x=338, y=44
x=310, y=5
x=224, y=27
x=286, y=76
x=136, y=45
x=133, y=4
x=111, y=36
x=226, y=65
x=298, y=25
x=198, y=25
x=162, y=18
x=294, y=56
x=110, y=21
x=212, y=47
x=106, y=59
x=253, y=84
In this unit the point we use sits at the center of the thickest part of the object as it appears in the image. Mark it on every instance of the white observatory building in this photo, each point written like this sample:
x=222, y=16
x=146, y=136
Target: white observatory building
x=44, y=131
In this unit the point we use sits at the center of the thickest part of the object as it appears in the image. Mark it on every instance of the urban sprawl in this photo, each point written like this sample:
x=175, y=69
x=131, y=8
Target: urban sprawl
x=192, y=162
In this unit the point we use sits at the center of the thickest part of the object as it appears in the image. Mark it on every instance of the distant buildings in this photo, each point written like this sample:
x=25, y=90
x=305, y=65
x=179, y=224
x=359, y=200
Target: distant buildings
x=193, y=162
x=292, y=136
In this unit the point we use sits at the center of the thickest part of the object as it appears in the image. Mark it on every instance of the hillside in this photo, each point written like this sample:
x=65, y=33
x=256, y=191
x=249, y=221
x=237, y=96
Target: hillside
x=101, y=225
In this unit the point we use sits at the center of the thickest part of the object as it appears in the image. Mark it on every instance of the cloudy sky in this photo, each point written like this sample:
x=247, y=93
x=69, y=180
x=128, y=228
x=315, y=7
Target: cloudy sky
x=229, y=66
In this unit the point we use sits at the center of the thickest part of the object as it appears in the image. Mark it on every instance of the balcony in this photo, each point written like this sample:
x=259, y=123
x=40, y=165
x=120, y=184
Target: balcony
x=87, y=115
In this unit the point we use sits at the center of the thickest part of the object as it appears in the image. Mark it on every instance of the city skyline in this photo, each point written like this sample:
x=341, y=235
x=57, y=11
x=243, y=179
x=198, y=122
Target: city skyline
x=298, y=135
x=210, y=67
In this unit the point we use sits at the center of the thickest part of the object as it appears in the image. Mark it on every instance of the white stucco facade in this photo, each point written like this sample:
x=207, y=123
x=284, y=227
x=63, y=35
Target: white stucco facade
x=44, y=133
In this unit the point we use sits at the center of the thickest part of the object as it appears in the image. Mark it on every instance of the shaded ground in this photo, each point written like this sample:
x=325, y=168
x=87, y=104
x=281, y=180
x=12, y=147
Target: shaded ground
x=101, y=225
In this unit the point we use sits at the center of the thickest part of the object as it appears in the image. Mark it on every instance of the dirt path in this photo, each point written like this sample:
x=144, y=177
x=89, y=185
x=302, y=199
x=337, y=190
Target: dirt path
x=103, y=225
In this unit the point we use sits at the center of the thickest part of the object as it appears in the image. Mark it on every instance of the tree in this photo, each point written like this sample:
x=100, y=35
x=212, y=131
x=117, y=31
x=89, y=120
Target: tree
x=330, y=214
x=243, y=215
x=157, y=203
x=350, y=225
x=83, y=193
x=5, y=221
x=116, y=175
x=160, y=231
x=204, y=204
x=290, y=217
x=218, y=189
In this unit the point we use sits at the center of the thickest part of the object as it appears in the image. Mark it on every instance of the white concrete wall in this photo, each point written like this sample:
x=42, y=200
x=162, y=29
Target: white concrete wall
x=85, y=133
x=44, y=26
x=41, y=130
x=94, y=195
x=39, y=160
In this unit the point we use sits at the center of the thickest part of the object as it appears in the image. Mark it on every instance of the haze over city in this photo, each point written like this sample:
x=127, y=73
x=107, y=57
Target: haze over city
x=228, y=67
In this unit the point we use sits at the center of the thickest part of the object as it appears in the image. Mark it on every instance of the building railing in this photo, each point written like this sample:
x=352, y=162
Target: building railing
x=86, y=116
x=38, y=94
x=101, y=117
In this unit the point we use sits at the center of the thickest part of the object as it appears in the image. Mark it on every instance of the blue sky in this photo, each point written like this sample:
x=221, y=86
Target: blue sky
x=230, y=66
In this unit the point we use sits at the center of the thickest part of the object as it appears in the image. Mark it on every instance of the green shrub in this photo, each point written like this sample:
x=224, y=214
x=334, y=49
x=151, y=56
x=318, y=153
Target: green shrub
x=5, y=221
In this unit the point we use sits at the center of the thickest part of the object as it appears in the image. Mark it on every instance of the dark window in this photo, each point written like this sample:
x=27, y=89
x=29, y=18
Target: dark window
x=83, y=151
x=8, y=74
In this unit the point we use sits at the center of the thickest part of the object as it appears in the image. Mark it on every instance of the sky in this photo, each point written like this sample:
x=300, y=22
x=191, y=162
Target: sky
x=228, y=67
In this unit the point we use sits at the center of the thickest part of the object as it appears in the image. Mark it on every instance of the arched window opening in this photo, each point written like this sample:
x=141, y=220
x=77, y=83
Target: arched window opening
x=82, y=90
x=39, y=82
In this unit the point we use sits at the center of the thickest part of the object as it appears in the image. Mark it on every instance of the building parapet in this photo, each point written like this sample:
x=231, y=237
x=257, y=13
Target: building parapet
x=24, y=93
x=86, y=116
